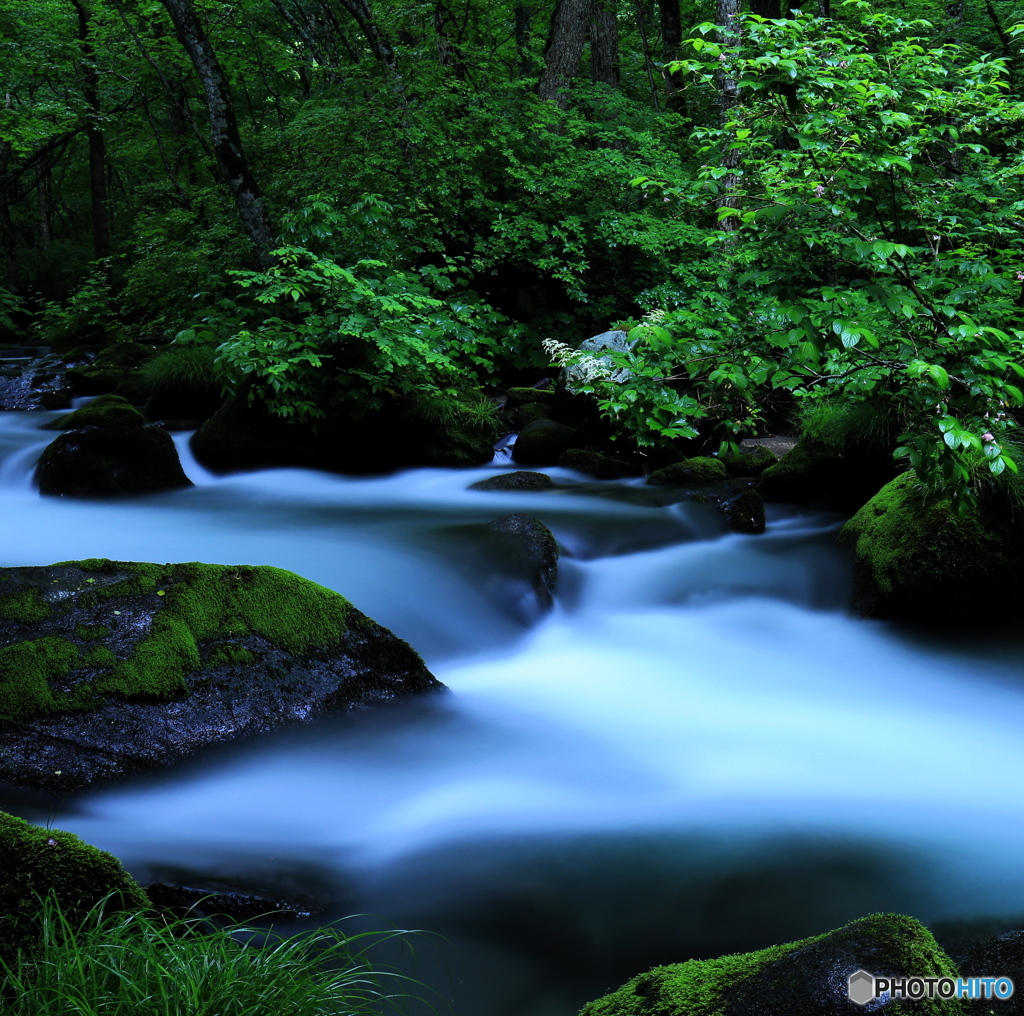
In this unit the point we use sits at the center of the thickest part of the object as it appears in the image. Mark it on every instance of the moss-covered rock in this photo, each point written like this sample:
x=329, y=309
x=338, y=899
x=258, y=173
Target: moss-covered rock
x=519, y=479
x=38, y=862
x=108, y=668
x=524, y=395
x=105, y=411
x=531, y=546
x=804, y=978
x=523, y=415
x=542, y=442
x=603, y=467
x=749, y=461
x=693, y=472
x=918, y=558
x=110, y=460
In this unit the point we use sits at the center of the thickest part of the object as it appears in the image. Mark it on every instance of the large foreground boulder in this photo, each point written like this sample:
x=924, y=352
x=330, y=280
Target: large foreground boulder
x=804, y=978
x=109, y=668
x=37, y=862
x=917, y=558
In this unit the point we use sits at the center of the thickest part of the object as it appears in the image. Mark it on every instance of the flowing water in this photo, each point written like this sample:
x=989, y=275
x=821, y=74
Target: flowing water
x=698, y=751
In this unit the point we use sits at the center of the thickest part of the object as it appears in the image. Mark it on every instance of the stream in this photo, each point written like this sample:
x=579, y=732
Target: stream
x=698, y=751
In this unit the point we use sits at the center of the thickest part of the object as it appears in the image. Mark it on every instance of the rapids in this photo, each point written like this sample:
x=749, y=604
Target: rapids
x=698, y=751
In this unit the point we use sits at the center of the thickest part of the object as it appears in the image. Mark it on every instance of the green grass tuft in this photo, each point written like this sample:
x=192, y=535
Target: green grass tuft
x=130, y=963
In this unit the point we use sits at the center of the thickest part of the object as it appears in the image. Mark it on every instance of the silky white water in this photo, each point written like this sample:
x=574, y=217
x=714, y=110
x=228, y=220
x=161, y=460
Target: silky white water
x=697, y=751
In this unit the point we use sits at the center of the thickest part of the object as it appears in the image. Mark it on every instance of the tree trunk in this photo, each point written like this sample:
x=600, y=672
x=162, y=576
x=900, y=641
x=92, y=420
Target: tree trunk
x=604, y=43
x=726, y=18
x=227, y=143
x=671, y=43
x=644, y=15
x=565, y=48
x=380, y=45
x=7, y=239
x=449, y=54
x=524, y=19
x=97, y=144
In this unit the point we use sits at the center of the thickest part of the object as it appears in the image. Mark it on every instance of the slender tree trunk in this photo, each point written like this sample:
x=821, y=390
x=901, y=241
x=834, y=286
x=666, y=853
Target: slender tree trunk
x=644, y=15
x=97, y=144
x=604, y=43
x=380, y=45
x=524, y=19
x=227, y=142
x=726, y=18
x=7, y=239
x=671, y=43
x=43, y=205
x=565, y=48
x=449, y=55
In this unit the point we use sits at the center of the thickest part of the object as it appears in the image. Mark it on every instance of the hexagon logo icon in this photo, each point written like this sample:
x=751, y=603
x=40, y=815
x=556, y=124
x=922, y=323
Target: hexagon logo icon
x=861, y=987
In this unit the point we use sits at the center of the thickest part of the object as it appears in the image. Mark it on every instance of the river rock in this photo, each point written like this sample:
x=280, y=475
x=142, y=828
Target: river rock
x=111, y=668
x=110, y=460
x=804, y=978
x=693, y=472
x=750, y=460
x=918, y=558
x=104, y=411
x=520, y=479
x=38, y=861
x=542, y=442
x=745, y=512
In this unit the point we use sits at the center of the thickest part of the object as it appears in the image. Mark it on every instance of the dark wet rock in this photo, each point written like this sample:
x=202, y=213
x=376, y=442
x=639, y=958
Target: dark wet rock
x=528, y=547
x=105, y=411
x=520, y=479
x=602, y=467
x=38, y=861
x=220, y=902
x=1000, y=954
x=804, y=978
x=33, y=381
x=745, y=512
x=918, y=558
x=689, y=473
x=542, y=442
x=110, y=668
x=177, y=425
x=110, y=460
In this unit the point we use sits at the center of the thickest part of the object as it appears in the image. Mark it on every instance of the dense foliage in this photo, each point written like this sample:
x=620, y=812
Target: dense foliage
x=785, y=209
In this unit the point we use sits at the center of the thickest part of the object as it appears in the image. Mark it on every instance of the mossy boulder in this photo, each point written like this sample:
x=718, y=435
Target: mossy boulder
x=105, y=411
x=525, y=395
x=109, y=668
x=695, y=472
x=542, y=442
x=917, y=558
x=38, y=862
x=603, y=467
x=110, y=460
x=803, y=978
x=749, y=461
x=529, y=547
x=519, y=479
x=525, y=414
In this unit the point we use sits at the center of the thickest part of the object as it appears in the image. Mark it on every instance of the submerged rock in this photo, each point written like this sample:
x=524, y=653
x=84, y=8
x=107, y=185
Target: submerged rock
x=917, y=558
x=804, y=978
x=528, y=545
x=38, y=861
x=110, y=460
x=111, y=668
x=745, y=512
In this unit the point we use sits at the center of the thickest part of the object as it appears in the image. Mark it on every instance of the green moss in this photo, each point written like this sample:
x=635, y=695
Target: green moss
x=91, y=632
x=918, y=557
x=37, y=862
x=26, y=606
x=749, y=461
x=796, y=973
x=696, y=471
x=99, y=656
x=803, y=472
x=227, y=654
x=26, y=669
x=106, y=411
x=530, y=394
